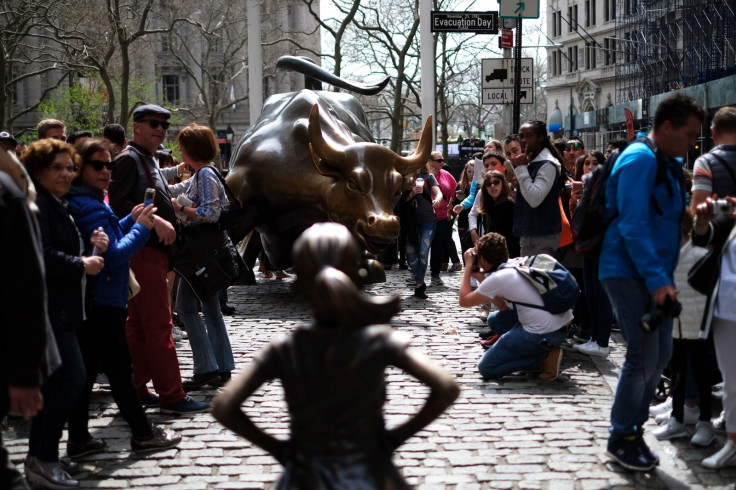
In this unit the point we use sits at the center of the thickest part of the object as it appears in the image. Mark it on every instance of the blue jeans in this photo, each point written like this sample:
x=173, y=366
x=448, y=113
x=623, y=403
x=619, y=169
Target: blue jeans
x=210, y=344
x=60, y=393
x=517, y=349
x=647, y=354
x=417, y=254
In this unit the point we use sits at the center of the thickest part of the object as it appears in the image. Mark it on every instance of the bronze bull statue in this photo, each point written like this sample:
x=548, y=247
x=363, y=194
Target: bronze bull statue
x=309, y=158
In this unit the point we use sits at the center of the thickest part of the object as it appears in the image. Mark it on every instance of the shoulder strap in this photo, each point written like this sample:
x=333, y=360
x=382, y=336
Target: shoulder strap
x=133, y=153
x=229, y=193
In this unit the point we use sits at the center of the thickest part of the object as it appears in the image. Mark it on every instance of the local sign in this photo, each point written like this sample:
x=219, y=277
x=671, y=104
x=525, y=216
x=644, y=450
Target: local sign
x=477, y=22
x=497, y=82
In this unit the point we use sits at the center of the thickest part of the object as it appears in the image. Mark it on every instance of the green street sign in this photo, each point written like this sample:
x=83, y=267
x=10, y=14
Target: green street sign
x=526, y=9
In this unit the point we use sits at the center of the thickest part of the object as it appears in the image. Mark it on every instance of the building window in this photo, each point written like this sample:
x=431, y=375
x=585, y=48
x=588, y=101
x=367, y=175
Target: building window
x=609, y=10
x=592, y=12
x=587, y=13
x=575, y=13
x=554, y=25
x=609, y=45
x=171, y=88
x=165, y=43
x=569, y=18
x=559, y=62
x=590, y=61
x=559, y=23
x=572, y=58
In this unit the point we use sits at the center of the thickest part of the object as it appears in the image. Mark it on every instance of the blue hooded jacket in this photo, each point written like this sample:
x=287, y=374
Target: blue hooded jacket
x=641, y=242
x=110, y=286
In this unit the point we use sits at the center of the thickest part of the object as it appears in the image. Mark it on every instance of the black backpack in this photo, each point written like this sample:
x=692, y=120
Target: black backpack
x=589, y=223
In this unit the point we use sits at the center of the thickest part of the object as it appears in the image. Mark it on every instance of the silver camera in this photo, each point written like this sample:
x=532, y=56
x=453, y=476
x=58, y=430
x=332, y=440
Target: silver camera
x=721, y=206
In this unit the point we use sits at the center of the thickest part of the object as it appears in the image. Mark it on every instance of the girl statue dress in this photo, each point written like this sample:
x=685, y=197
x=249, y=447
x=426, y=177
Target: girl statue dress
x=333, y=375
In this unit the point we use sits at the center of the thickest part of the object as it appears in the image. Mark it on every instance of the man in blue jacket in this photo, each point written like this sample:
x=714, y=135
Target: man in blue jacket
x=646, y=197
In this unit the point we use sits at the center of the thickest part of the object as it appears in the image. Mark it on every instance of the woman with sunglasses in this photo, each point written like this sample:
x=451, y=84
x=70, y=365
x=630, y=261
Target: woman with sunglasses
x=102, y=337
x=494, y=212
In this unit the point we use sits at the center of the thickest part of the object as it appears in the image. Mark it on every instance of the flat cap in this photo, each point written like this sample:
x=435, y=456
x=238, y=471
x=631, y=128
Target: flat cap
x=8, y=137
x=141, y=111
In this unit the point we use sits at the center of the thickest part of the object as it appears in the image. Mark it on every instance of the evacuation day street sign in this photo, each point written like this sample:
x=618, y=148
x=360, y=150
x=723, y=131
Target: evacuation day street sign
x=477, y=22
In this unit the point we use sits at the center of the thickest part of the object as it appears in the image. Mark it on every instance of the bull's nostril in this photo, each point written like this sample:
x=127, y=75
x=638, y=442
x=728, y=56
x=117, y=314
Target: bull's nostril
x=372, y=220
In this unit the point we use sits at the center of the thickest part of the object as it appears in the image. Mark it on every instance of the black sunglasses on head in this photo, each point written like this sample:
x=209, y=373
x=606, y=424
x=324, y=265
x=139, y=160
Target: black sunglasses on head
x=155, y=123
x=99, y=165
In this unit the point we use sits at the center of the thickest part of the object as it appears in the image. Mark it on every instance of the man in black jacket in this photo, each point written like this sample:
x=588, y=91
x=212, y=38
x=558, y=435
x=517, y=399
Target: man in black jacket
x=148, y=327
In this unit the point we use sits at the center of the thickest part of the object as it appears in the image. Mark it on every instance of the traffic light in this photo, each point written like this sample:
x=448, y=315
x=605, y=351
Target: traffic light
x=465, y=128
x=481, y=127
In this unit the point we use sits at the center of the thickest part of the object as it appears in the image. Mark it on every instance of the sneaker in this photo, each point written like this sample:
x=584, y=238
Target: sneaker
x=593, y=349
x=185, y=405
x=268, y=275
x=90, y=446
x=175, y=336
x=704, y=435
x=281, y=274
x=578, y=347
x=159, y=440
x=692, y=415
x=723, y=458
x=181, y=331
x=719, y=424
x=437, y=281
x=225, y=376
x=550, y=366
x=199, y=380
x=487, y=343
x=150, y=400
x=644, y=448
x=663, y=407
x=456, y=267
x=48, y=474
x=671, y=430
x=627, y=451
x=443, y=267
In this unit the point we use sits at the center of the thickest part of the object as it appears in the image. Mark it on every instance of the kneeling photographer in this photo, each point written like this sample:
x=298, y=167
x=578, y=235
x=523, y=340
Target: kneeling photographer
x=715, y=226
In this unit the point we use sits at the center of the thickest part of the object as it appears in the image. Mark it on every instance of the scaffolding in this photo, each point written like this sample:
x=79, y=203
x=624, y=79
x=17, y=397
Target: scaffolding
x=664, y=45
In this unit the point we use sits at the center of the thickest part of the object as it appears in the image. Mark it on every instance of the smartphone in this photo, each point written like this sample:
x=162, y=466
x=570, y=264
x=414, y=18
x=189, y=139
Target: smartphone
x=576, y=184
x=149, y=196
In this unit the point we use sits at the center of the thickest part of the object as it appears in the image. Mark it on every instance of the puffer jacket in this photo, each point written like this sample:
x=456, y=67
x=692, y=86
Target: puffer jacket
x=109, y=287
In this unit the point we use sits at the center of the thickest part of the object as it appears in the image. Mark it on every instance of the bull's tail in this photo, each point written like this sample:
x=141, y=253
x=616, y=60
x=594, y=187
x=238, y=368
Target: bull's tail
x=316, y=73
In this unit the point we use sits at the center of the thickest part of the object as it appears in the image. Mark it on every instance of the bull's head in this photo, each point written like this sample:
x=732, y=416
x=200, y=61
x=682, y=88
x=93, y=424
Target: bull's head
x=367, y=179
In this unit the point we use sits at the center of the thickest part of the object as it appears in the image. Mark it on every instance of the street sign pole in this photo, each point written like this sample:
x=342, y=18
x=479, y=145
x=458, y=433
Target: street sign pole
x=517, y=78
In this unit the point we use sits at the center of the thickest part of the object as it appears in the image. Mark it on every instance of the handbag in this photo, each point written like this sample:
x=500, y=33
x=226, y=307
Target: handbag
x=207, y=260
x=232, y=215
x=704, y=272
x=133, y=286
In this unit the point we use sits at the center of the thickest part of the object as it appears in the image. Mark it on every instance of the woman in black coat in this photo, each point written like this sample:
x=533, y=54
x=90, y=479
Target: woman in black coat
x=52, y=165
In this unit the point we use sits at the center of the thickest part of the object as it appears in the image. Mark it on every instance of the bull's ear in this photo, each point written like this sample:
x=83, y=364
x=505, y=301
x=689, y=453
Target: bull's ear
x=323, y=167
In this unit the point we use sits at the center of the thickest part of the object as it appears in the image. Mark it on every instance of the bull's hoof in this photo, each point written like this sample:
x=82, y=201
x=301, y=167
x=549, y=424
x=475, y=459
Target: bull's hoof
x=373, y=272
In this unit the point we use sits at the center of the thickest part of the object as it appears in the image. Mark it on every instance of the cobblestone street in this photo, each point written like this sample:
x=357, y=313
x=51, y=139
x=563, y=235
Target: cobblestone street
x=515, y=433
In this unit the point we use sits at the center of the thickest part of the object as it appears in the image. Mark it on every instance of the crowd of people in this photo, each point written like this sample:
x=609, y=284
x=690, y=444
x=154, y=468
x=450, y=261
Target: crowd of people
x=110, y=210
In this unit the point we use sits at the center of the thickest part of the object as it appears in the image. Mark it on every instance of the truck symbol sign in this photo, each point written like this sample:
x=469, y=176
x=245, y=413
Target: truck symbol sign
x=499, y=74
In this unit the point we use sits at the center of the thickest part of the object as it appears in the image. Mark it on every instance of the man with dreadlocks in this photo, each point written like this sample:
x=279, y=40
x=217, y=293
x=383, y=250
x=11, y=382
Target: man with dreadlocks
x=537, y=220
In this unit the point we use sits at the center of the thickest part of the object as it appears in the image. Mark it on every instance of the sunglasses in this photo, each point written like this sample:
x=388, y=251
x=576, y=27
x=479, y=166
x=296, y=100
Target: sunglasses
x=573, y=145
x=155, y=123
x=438, y=159
x=99, y=165
x=494, y=182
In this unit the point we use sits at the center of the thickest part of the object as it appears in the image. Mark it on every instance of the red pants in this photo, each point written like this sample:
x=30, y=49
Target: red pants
x=148, y=329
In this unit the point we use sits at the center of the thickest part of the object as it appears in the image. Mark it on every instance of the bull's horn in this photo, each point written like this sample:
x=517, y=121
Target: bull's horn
x=333, y=156
x=407, y=165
